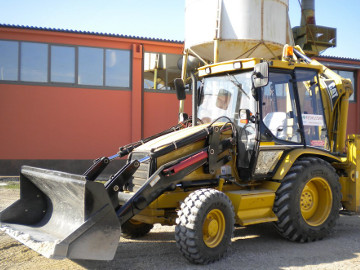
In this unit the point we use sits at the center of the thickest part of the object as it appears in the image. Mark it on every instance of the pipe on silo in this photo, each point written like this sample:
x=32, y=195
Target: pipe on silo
x=307, y=12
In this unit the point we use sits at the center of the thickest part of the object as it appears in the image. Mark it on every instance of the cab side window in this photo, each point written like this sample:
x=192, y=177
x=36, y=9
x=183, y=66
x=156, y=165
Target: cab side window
x=312, y=115
x=279, y=112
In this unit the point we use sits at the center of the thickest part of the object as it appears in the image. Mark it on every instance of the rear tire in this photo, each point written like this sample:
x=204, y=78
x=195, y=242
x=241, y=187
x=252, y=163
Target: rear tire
x=205, y=225
x=307, y=202
x=132, y=229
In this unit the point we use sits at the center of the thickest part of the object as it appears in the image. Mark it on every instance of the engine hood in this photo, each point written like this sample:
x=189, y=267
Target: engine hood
x=167, y=139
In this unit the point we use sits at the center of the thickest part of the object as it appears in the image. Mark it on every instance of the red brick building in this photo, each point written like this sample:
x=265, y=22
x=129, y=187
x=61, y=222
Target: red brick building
x=68, y=97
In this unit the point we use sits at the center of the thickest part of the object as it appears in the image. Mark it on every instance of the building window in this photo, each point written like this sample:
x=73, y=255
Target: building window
x=91, y=66
x=58, y=64
x=62, y=64
x=160, y=70
x=117, y=68
x=34, y=62
x=9, y=60
x=348, y=75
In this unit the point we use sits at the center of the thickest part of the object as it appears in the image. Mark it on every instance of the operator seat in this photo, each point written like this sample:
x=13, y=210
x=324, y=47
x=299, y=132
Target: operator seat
x=276, y=123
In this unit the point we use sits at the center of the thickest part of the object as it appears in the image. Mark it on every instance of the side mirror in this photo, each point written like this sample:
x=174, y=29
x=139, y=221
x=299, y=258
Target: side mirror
x=261, y=75
x=183, y=117
x=180, y=89
x=245, y=116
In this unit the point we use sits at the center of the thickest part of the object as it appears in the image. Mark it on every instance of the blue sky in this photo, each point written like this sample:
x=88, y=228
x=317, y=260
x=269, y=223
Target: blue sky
x=165, y=18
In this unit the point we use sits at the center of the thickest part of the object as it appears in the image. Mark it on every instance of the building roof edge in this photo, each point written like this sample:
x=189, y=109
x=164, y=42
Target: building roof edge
x=87, y=33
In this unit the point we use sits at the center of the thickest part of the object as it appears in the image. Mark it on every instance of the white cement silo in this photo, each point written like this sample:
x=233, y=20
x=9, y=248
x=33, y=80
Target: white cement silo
x=240, y=28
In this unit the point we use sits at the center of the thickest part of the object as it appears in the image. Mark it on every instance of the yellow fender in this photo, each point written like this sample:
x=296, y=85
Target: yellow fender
x=291, y=157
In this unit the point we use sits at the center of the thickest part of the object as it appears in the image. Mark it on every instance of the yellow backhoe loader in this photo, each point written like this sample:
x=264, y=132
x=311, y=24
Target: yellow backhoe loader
x=266, y=143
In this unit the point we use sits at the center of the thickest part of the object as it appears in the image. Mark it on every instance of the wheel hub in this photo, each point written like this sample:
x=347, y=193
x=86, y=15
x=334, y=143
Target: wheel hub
x=213, y=228
x=316, y=201
x=306, y=200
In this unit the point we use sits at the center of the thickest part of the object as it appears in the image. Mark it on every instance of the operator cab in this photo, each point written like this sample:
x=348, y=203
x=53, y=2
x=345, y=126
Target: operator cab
x=275, y=109
x=291, y=109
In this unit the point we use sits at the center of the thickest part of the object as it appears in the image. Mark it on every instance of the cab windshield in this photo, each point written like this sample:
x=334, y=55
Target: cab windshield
x=224, y=95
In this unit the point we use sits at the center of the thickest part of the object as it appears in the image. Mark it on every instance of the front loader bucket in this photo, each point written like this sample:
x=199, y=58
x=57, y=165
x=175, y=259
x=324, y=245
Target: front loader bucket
x=62, y=215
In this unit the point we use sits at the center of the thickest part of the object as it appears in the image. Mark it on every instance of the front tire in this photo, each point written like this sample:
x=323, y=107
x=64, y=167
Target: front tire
x=205, y=225
x=133, y=229
x=307, y=202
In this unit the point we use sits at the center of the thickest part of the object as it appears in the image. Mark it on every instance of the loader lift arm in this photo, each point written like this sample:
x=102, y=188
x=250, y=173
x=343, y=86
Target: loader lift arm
x=169, y=175
x=101, y=163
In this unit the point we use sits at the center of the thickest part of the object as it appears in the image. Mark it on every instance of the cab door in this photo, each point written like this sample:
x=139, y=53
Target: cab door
x=279, y=123
x=291, y=116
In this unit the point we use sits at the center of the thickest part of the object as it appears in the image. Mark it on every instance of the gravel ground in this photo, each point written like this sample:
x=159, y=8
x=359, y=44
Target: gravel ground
x=255, y=247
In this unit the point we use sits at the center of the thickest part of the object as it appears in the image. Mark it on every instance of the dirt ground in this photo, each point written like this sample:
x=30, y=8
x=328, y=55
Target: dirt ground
x=255, y=247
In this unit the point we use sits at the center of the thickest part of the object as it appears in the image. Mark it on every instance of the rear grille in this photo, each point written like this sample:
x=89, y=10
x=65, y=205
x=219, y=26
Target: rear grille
x=142, y=173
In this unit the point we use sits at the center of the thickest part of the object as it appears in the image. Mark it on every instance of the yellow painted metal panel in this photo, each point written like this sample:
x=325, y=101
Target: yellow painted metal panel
x=267, y=143
x=252, y=207
x=350, y=185
x=289, y=160
x=249, y=63
x=151, y=216
x=171, y=199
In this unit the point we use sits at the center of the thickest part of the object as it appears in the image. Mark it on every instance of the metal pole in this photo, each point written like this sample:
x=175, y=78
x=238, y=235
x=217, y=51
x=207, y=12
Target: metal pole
x=217, y=32
x=183, y=77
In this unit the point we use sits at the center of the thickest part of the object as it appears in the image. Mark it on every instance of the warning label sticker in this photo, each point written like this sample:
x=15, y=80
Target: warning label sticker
x=312, y=119
x=317, y=143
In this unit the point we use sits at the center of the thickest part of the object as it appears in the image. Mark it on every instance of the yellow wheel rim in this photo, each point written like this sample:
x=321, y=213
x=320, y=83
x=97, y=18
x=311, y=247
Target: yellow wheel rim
x=214, y=228
x=135, y=222
x=316, y=201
